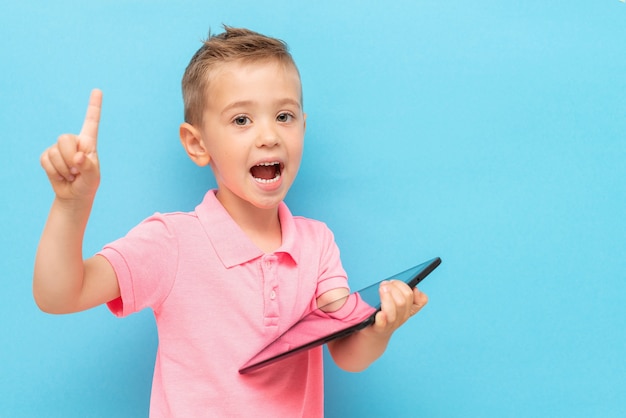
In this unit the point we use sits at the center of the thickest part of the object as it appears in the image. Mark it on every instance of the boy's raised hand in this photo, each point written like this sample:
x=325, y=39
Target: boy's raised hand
x=72, y=163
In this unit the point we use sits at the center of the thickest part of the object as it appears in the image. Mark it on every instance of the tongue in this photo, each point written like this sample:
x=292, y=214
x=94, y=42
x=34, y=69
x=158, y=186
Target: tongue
x=266, y=172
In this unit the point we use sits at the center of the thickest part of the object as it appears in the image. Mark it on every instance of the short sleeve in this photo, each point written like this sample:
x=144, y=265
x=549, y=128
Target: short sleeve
x=145, y=262
x=331, y=273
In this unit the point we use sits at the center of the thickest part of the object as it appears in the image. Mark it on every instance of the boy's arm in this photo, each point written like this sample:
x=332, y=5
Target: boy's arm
x=357, y=351
x=62, y=281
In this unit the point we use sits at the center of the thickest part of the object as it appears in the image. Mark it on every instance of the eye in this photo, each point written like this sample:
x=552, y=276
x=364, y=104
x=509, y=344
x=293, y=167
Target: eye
x=241, y=120
x=284, y=117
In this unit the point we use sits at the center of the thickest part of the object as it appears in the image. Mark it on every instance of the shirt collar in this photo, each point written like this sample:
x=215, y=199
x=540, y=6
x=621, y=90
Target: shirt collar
x=230, y=243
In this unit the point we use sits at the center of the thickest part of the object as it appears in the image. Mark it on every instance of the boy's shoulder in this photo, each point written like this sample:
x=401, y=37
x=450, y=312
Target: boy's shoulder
x=313, y=223
x=172, y=217
x=312, y=227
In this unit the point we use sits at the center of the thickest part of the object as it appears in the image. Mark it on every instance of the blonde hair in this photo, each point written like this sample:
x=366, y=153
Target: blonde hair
x=234, y=44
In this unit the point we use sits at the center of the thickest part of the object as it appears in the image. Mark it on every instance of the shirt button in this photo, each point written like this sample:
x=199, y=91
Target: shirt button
x=273, y=295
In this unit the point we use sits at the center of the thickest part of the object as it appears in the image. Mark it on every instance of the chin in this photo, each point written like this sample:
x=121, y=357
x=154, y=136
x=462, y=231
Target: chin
x=268, y=202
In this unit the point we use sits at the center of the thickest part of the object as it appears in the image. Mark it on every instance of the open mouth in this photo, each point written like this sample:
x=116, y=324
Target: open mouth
x=266, y=172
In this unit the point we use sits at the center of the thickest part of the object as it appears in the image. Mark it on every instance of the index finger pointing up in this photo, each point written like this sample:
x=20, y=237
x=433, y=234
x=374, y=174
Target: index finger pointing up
x=89, y=132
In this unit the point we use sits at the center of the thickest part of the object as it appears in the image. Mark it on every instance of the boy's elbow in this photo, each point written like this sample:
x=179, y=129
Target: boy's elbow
x=39, y=300
x=52, y=309
x=44, y=305
x=48, y=304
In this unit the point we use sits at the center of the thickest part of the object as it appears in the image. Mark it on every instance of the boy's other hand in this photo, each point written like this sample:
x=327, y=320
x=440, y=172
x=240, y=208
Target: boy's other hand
x=72, y=163
x=398, y=303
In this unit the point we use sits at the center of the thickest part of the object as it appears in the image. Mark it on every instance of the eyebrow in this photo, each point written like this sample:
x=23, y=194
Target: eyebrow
x=241, y=103
x=244, y=103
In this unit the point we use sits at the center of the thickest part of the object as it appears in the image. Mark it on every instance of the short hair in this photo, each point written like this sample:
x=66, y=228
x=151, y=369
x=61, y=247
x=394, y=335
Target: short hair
x=234, y=44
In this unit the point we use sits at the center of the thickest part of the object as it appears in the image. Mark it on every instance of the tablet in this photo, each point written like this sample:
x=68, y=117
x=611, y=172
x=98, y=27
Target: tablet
x=347, y=315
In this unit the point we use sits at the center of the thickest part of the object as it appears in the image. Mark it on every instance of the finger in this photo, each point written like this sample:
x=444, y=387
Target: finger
x=53, y=174
x=58, y=158
x=380, y=321
x=87, y=167
x=402, y=293
x=387, y=302
x=402, y=296
x=420, y=300
x=68, y=147
x=89, y=132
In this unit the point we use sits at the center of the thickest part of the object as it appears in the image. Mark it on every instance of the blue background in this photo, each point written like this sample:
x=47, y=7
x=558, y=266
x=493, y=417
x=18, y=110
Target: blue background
x=490, y=133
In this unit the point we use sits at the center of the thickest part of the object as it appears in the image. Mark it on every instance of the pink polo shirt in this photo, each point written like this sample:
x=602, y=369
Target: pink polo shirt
x=218, y=299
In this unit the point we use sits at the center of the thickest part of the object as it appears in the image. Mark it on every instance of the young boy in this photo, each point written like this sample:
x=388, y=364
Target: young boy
x=231, y=276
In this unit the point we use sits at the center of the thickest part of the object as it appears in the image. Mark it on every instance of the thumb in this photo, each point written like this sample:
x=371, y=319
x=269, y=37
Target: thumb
x=87, y=168
x=88, y=137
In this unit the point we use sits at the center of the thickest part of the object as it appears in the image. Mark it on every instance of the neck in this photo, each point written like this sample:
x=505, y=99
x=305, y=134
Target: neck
x=261, y=225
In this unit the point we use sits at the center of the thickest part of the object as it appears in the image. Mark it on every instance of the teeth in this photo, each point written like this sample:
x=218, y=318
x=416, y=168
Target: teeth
x=268, y=164
x=266, y=181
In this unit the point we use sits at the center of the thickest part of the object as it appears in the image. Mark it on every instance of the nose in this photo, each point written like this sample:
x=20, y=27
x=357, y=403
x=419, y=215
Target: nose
x=267, y=135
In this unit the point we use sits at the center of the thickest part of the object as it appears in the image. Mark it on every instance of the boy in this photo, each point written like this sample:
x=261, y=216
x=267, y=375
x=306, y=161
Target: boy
x=231, y=276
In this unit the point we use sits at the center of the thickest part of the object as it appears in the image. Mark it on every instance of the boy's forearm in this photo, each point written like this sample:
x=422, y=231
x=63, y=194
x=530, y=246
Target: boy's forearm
x=58, y=273
x=356, y=352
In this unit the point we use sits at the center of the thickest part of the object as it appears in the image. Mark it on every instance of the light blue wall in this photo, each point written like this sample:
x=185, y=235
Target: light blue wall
x=490, y=133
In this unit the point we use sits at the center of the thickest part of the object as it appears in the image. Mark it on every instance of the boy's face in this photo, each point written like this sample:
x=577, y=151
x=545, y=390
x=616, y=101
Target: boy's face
x=253, y=130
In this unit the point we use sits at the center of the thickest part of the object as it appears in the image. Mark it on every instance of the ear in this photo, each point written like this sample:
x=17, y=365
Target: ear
x=192, y=142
